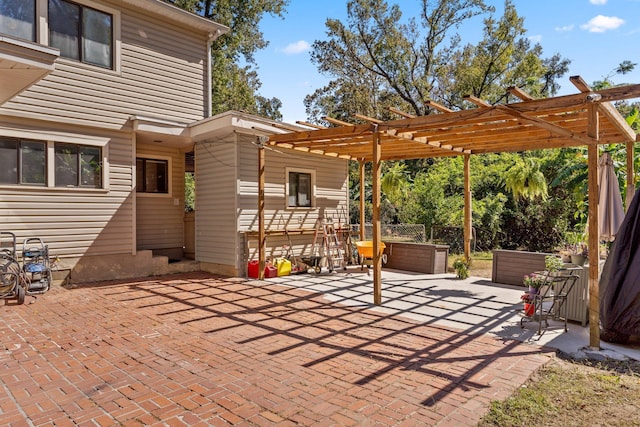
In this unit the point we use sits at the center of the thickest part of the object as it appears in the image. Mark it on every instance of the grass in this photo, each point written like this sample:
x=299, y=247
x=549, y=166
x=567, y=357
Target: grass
x=569, y=393
x=481, y=263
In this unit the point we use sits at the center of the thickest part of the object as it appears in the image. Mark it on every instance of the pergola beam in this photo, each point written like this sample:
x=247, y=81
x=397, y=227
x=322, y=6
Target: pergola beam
x=477, y=101
x=519, y=93
x=546, y=125
x=401, y=113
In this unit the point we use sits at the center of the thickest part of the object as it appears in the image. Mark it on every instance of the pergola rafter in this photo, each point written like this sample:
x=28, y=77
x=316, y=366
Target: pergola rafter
x=584, y=119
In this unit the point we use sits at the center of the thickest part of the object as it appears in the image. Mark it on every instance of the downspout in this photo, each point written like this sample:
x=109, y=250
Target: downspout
x=209, y=86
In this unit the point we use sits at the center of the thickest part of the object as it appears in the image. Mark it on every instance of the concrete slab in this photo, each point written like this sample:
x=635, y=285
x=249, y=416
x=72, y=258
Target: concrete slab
x=474, y=305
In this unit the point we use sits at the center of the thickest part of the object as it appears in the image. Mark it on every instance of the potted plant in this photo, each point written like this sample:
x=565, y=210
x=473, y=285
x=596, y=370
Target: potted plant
x=461, y=265
x=529, y=306
x=578, y=248
x=553, y=264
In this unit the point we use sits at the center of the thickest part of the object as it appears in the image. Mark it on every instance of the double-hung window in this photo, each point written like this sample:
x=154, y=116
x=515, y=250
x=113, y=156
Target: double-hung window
x=18, y=18
x=23, y=162
x=81, y=33
x=300, y=189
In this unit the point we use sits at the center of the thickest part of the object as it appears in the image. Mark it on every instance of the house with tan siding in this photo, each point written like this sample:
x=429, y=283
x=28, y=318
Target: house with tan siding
x=100, y=100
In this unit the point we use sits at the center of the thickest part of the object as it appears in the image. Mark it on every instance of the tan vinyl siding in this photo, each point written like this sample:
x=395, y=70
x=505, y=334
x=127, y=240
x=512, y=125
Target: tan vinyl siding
x=331, y=186
x=75, y=221
x=160, y=219
x=163, y=70
x=216, y=235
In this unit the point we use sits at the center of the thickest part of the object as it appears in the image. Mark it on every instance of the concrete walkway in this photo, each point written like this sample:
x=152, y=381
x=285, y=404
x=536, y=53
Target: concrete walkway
x=194, y=349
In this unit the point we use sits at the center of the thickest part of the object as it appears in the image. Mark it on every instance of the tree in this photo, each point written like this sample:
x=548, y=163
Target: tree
x=235, y=82
x=388, y=61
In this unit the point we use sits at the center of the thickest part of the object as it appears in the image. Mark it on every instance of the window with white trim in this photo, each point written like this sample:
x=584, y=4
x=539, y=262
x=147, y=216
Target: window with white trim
x=81, y=33
x=300, y=187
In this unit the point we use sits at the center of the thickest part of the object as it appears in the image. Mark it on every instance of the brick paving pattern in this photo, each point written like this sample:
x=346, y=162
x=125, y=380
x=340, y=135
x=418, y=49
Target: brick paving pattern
x=200, y=350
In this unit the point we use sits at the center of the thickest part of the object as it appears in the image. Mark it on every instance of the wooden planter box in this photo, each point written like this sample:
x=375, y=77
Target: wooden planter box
x=509, y=267
x=418, y=257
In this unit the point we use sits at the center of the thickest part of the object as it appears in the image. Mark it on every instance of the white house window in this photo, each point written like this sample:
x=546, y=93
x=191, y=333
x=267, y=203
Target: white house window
x=78, y=166
x=23, y=161
x=81, y=33
x=18, y=18
x=152, y=176
x=300, y=189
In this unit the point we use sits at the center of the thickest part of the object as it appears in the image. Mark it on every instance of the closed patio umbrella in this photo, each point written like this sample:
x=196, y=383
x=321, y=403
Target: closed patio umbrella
x=610, y=210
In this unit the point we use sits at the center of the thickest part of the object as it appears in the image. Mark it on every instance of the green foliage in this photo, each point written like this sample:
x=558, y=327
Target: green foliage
x=525, y=180
x=462, y=265
x=189, y=192
x=379, y=59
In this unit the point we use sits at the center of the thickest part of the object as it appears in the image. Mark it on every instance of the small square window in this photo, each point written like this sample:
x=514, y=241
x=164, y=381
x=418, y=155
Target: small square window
x=152, y=176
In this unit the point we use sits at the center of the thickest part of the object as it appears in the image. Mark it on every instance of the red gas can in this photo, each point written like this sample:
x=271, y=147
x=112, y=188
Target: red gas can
x=270, y=271
x=252, y=269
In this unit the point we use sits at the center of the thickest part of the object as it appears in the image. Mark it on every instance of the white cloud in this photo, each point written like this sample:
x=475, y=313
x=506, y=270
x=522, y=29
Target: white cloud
x=535, y=39
x=565, y=28
x=601, y=23
x=295, y=48
x=598, y=2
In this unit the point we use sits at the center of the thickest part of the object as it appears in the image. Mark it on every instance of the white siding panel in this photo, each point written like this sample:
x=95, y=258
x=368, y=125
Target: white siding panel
x=216, y=226
x=159, y=222
x=163, y=71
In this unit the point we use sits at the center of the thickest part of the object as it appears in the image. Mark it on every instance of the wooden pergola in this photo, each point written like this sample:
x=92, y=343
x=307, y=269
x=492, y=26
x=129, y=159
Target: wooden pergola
x=586, y=118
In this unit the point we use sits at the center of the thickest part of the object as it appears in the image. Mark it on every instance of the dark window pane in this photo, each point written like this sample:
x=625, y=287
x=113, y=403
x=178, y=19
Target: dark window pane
x=8, y=162
x=33, y=164
x=90, y=167
x=66, y=162
x=304, y=190
x=156, y=176
x=140, y=175
x=96, y=37
x=293, y=189
x=299, y=189
x=17, y=18
x=64, y=28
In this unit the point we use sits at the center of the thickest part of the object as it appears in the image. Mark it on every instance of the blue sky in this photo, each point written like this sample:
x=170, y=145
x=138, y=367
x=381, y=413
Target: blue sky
x=596, y=35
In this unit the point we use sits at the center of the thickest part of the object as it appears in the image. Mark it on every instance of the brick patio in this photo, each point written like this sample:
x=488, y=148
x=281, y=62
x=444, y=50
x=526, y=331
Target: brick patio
x=195, y=349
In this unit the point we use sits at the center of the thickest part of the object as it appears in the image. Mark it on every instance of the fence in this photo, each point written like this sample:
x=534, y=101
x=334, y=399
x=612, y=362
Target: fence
x=452, y=236
x=395, y=232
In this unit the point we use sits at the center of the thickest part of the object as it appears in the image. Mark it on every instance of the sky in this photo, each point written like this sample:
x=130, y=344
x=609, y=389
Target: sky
x=596, y=35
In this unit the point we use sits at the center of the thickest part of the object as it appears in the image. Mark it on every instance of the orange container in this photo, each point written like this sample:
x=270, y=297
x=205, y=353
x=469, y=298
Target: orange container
x=365, y=248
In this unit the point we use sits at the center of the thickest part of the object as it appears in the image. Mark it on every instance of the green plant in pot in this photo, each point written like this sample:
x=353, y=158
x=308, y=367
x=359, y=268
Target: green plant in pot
x=462, y=265
x=553, y=264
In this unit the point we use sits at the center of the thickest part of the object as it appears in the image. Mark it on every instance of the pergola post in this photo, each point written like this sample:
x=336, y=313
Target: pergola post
x=261, y=234
x=377, y=258
x=467, y=206
x=631, y=188
x=361, y=170
x=593, y=130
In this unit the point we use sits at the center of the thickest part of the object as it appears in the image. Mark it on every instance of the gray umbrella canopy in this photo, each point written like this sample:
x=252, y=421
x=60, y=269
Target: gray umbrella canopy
x=610, y=209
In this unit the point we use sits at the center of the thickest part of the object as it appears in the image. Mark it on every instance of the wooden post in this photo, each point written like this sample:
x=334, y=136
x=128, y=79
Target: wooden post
x=262, y=242
x=377, y=258
x=363, y=182
x=467, y=206
x=594, y=233
x=631, y=187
